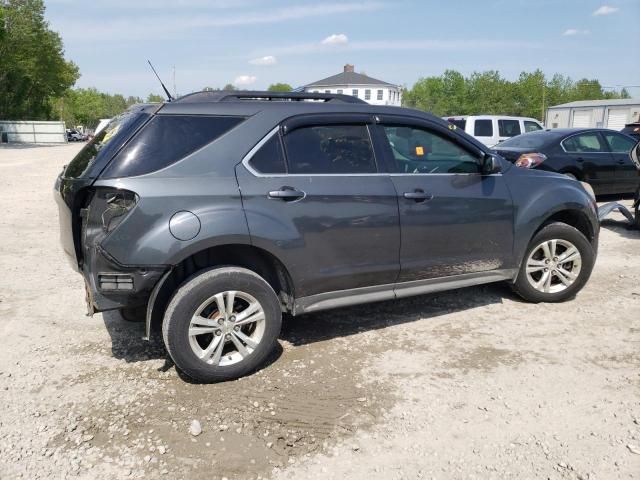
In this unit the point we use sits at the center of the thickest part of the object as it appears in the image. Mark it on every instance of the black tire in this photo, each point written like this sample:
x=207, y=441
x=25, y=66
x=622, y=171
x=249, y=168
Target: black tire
x=133, y=314
x=557, y=231
x=195, y=291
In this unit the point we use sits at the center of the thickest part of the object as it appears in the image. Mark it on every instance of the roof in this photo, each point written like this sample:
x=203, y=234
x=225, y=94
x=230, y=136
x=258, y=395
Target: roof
x=349, y=78
x=599, y=103
x=247, y=95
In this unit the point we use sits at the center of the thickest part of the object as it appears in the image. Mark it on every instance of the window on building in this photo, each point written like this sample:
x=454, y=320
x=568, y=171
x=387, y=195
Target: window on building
x=327, y=91
x=339, y=91
x=367, y=94
x=330, y=149
x=354, y=92
x=380, y=94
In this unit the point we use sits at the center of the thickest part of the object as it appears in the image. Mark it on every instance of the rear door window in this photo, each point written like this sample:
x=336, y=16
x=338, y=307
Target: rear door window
x=530, y=126
x=167, y=139
x=584, y=143
x=330, y=149
x=509, y=128
x=483, y=128
x=619, y=143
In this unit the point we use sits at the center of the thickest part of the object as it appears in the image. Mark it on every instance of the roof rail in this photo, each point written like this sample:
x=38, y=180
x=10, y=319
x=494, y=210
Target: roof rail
x=232, y=96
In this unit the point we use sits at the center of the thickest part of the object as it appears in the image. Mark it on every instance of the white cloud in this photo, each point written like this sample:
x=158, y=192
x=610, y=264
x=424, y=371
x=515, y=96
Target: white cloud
x=264, y=61
x=244, y=80
x=570, y=32
x=336, y=39
x=127, y=27
x=605, y=10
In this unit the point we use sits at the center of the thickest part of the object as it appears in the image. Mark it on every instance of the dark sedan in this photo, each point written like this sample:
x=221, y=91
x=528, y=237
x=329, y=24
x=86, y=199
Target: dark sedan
x=597, y=156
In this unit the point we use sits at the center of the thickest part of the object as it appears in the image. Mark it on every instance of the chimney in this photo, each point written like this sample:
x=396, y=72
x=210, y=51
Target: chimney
x=348, y=68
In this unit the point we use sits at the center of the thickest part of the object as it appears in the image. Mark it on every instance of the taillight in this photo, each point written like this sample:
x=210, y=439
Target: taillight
x=530, y=160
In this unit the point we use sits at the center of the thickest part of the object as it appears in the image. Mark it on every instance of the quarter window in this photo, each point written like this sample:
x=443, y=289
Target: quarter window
x=509, y=128
x=269, y=159
x=584, y=143
x=167, y=139
x=330, y=149
x=416, y=150
x=619, y=143
x=530, y=126
x=483, y=128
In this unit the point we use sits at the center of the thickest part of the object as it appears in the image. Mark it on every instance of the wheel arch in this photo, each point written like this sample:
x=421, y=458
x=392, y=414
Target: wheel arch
x=253, y=258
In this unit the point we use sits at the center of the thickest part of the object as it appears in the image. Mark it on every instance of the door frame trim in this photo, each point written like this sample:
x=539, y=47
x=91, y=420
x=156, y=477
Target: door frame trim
x=377, y=293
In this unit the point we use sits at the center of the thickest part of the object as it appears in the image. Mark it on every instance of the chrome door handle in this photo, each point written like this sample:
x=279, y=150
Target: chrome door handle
x=417, y=195
x=287, y=194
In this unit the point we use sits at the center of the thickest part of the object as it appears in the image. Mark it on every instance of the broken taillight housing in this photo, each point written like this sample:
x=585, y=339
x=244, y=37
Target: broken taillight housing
x=530, y=160
x=117, y=203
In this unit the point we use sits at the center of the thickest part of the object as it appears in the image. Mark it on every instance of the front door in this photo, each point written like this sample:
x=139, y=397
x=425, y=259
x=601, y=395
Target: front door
x=322, y=209
x=627, y=175
x=454, y=220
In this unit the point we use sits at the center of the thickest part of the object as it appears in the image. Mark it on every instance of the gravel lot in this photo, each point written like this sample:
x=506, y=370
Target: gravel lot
x=467, y=384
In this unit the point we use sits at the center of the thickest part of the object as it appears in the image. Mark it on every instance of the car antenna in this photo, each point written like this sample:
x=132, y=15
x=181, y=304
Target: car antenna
x=169, y=97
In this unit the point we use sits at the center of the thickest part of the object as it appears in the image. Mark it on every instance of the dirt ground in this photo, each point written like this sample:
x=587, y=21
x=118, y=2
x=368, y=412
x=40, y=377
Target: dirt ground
x=471, y=383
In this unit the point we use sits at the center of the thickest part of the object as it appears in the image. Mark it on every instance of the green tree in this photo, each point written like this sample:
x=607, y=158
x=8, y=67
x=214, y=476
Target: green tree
x=155, y=98
x=280, y=87
x=33, y=70
x=229, y=88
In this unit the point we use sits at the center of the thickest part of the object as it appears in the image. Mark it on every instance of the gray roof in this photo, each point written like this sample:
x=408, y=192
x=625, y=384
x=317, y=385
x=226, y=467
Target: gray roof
x=600, y=103
x=348, y=78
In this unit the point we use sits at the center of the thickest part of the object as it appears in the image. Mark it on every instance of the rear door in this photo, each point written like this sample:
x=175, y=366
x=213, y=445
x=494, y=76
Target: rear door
x=626, y=177
x=314, y=197
x=508, y=128
x=590, y=153
x=454, y=220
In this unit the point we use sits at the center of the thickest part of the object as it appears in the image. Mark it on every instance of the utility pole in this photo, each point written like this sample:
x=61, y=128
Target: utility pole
x=542, y=117
x=175, y=92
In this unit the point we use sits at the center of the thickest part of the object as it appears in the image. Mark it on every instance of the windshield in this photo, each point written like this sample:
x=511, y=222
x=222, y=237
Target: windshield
x=534, y=140
x=106, y=143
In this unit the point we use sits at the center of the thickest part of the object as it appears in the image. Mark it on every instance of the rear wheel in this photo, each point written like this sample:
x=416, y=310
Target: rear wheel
x=557, y=264
x=222, y=324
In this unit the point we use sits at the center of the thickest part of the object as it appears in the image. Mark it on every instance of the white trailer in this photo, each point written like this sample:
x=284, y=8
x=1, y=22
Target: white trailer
x=613, y=114
x=15, y=131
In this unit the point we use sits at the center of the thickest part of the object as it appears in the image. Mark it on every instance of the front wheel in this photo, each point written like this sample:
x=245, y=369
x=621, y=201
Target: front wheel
x=556, y=265
x=222, y=324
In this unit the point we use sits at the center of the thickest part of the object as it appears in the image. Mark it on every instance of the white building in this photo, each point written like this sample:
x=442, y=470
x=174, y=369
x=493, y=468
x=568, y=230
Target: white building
x=349, y=82
x=613, y=114
x=32, y=131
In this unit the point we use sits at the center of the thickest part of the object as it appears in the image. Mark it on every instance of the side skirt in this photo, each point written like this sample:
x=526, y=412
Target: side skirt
x=355, y=296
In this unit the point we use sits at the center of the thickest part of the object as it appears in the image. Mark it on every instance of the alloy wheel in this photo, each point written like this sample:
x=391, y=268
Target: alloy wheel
x=226, y=328
x=553, y=266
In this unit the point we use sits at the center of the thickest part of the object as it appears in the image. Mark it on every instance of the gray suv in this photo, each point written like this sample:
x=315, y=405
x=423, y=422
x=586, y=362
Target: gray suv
x=212, y=215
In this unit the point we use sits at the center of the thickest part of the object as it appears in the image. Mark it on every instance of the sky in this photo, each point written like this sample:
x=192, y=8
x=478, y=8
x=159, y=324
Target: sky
x=254, y=43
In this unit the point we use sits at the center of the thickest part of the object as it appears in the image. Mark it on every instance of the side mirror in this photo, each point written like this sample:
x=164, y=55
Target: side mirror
x=490, y=164
x=634, y=155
